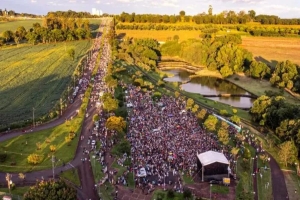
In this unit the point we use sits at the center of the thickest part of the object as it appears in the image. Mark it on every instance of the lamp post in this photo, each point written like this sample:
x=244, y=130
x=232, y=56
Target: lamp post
x=210, y=191
x=9, y=182
x=33, y=124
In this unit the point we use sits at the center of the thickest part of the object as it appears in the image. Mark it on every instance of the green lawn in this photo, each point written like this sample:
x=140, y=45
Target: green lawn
x=105, y=194
x=187, y=179
x=220, y=189
x=258, y=87
x=18, y=148
x=71, y=175
x=163, y=194
x=36, y=77
x=17, y=193
x=13, y=25
x=97, y=169
x=263, y=191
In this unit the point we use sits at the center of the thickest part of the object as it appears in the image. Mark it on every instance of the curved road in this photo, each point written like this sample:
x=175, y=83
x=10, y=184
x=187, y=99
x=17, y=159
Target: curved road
x=87, y=190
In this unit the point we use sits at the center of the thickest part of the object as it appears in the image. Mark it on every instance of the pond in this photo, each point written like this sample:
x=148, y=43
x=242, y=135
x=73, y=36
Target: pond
x=211, y=86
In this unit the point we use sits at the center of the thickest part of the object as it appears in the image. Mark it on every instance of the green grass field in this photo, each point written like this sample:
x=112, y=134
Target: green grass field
x=13, y=25
x=258, y=87
x=18, y=148
x=71, y=175
x=35, y=76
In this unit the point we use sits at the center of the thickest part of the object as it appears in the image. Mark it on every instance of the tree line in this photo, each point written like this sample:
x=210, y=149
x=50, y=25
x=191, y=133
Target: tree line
x=272, y=31
x=225, y=17
x=52, y=30
x=11, y=13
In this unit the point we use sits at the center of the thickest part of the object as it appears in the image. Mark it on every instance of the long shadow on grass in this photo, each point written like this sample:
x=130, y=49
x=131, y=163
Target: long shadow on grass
x=271, y=63
x=42, y=94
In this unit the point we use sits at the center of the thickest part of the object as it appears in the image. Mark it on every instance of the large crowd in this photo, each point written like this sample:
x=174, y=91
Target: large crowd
x=166, y=138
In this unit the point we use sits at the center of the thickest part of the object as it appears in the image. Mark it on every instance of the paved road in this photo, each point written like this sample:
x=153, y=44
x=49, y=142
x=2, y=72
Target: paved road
x=84, y=168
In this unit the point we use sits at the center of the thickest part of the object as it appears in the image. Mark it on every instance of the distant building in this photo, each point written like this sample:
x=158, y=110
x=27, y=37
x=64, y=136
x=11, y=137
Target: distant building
x=95, y=11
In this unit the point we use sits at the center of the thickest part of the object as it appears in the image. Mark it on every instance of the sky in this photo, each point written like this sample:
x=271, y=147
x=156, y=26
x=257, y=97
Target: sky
x=281, y=8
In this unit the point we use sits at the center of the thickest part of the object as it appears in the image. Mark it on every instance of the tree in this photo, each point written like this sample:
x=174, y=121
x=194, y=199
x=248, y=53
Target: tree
x=210, y=10
x=110, y=104
x=177, y=94
x=202, y=113
x=8, y=35
x=96, y=118
x=115, y=123
x=223, y=135
x=71, y=53
x=226, y=71
x=195, y=108
x=38, y=145
x=235, y=119
x=288, y=152
x=210, y=123
x=252, y=14
x=34, y=158
x=189, y=103
x=52, y=148
x=52, y=189
x=182, y=13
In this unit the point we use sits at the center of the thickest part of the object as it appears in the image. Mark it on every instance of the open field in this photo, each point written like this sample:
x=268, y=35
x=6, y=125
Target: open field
x=158, y=35
x=71, y=175
x=35, y=77
x=258, y=87
x=273, y=49
x=19, y=148
x=13, y=25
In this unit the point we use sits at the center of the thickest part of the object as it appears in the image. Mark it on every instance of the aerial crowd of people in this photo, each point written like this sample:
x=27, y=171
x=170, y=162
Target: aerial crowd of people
x=165, y=138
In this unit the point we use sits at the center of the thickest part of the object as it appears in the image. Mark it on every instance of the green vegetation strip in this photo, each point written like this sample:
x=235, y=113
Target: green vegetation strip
x=71, y=175
x=264, y=181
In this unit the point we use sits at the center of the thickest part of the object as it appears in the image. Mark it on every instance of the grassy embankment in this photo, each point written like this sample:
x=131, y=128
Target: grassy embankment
x=35, y=77
x=19, y=148
x=71, y=175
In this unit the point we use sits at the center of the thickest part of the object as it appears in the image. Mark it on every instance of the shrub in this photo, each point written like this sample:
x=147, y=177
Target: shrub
x=3, y=157
x=187, y=194
x=170, y=194
x=34, y=158
x=52, y=148
x=224, y=112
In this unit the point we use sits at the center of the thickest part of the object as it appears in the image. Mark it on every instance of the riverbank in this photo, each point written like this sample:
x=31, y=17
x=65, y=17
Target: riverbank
x=258, y=87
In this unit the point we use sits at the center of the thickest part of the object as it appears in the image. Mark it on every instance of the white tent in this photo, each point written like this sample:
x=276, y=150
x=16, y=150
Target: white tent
x=210, y=157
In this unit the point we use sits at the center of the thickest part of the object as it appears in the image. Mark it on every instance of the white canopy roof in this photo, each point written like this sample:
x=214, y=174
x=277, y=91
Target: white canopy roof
x=210, y=157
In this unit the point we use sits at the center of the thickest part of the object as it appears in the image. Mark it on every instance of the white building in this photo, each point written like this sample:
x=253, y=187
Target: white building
x=95, y=11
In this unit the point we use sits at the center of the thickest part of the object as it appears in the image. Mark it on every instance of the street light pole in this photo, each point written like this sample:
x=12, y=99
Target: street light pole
x=8, y=179
x=33, y=124
x=210, y=191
